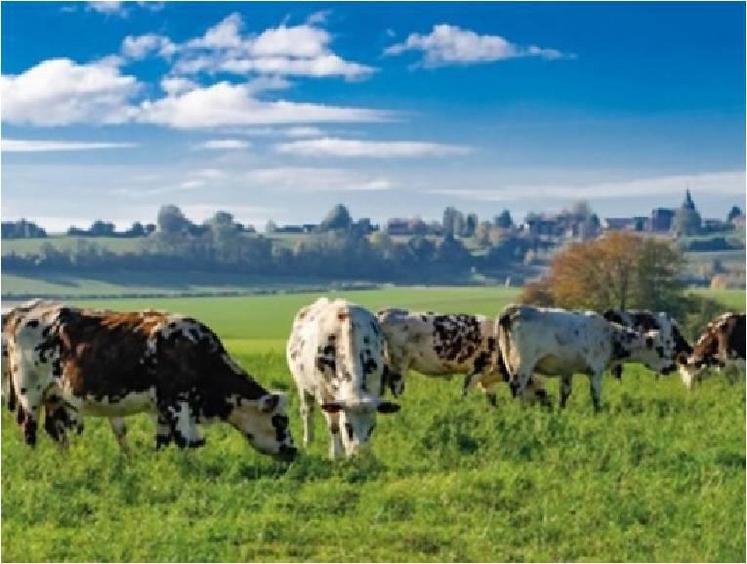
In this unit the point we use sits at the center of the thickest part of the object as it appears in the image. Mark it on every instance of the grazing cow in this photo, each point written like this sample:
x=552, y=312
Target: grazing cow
x=113, y=364
x=721, y=346
x=336, y=355
x=556, y=342
x=642, y=321
x=442, y=345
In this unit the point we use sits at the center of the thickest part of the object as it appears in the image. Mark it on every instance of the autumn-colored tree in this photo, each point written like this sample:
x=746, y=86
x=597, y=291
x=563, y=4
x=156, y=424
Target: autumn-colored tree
x=620, y=270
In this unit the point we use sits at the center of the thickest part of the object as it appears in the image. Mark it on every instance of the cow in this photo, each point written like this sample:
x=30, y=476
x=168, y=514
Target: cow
x=443, y=345
x=557, y=342
x=335, y=353
x=115, y=364
x=57, y=420
x=721, y=346
x=644, y=320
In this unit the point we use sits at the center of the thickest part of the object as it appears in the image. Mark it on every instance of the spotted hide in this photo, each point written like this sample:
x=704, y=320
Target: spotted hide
x=335, y=353
x=58, y=419
x=721, y=346
x=643, y=320
x=443, y=345
x=556, y=342
x=112, y=365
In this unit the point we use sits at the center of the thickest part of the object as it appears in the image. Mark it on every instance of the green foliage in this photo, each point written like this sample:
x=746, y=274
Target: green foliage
x=657, y=476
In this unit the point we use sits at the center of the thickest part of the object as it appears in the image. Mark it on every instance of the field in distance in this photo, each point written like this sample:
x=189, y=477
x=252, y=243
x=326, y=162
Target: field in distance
x=657, y=476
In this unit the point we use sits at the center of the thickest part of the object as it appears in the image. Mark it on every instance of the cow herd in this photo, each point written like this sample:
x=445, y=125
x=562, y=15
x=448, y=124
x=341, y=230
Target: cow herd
x=69, y=362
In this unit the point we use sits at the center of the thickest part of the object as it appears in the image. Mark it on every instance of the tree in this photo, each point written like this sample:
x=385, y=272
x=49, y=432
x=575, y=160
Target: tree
x=504, y=220
x=171, y=220
x=621, y=270
x=337, y=218
x=734, y=212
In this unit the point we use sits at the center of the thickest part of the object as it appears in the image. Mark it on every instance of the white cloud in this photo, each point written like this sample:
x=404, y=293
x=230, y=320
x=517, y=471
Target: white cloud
x=139, y=47
x=174, y=85
x=335, y=147
x=723, y=182
x=108, y=8
x=303, y=131
x=224, y=144
x=61, y=92
x=120, y=9
x=301, y=50
x=449, y=44
x=312, y=179
x=39, y=146
x=225, y=104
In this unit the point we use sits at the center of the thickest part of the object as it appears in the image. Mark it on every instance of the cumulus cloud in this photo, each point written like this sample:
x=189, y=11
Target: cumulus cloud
x=313, y=179
x=224, y=144
x=225, y=104
x=301, y=50
x=120, y=9
x=451, y=45
x=336, y=147
x=61, y=92
x=139, y=47
x=39, y=146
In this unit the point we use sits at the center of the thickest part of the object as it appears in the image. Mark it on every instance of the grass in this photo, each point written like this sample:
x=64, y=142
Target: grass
x=659, y=475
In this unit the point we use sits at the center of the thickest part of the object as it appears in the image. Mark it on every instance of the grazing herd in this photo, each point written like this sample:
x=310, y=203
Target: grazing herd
x=70, y=362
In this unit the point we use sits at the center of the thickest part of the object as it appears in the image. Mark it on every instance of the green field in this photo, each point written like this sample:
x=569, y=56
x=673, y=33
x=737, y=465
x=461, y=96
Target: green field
x=658, y=475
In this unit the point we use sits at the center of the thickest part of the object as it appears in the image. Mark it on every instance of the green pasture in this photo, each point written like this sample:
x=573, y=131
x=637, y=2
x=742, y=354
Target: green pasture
x=658, y=475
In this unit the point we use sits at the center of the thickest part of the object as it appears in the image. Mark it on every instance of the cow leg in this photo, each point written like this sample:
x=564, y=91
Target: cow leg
x=469, y=381
x=119, y=428
x=163, y=431
x=333, y=423
x=566, y=386
x=184, y=427
x=617, y=372
x=307, y=415
x=595, y=386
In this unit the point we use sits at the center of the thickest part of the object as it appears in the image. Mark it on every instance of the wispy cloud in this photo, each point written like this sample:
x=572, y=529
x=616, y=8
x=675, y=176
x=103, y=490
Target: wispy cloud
x=451, y=45
x=313, y=179
x=224, y=144
x=41, y=146
x=336, y=147
x=723, y=182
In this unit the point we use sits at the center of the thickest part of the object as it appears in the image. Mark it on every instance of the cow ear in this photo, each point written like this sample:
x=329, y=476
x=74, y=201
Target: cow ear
x=268, y=402
x=387, y=407
x=331, y=406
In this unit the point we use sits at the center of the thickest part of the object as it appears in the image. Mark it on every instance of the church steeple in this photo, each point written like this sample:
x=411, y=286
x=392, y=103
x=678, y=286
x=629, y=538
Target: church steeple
x=688, y=203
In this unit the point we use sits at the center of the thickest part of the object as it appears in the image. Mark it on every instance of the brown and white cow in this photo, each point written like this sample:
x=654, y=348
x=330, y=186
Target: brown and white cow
x=442, y=345
x=335, y=353
x=721, y=346
x=642, y=321
x=557, y=342
x=113, y=364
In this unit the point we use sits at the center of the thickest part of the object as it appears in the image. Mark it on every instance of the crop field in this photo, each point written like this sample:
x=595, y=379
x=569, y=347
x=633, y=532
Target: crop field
x=657, y=475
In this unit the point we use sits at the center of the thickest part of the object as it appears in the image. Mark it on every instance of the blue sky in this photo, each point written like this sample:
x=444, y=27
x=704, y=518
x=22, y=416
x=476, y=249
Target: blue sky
x=278, y=110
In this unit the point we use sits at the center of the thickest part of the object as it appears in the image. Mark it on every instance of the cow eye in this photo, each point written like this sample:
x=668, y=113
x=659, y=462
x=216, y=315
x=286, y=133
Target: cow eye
x=349, y=429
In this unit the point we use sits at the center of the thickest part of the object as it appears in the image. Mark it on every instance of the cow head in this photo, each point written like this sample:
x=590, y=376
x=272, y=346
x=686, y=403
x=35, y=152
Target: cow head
x=647, y=348
x=264, y=422
x=357, y=421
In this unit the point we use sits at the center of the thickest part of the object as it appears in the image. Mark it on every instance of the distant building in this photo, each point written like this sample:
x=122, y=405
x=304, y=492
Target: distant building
x=636, y=223
x=661, y=220
x=401, y=226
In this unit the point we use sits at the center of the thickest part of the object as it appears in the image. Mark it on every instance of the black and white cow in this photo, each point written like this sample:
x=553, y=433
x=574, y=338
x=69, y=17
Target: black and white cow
x=442, y=345
x=556, y=342
x=335, y=353
x=642, y=321
x=721, y=346
x=114, y=364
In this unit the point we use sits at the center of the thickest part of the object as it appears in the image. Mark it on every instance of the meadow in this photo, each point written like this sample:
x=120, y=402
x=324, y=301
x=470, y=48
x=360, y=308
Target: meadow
x=658, y=475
